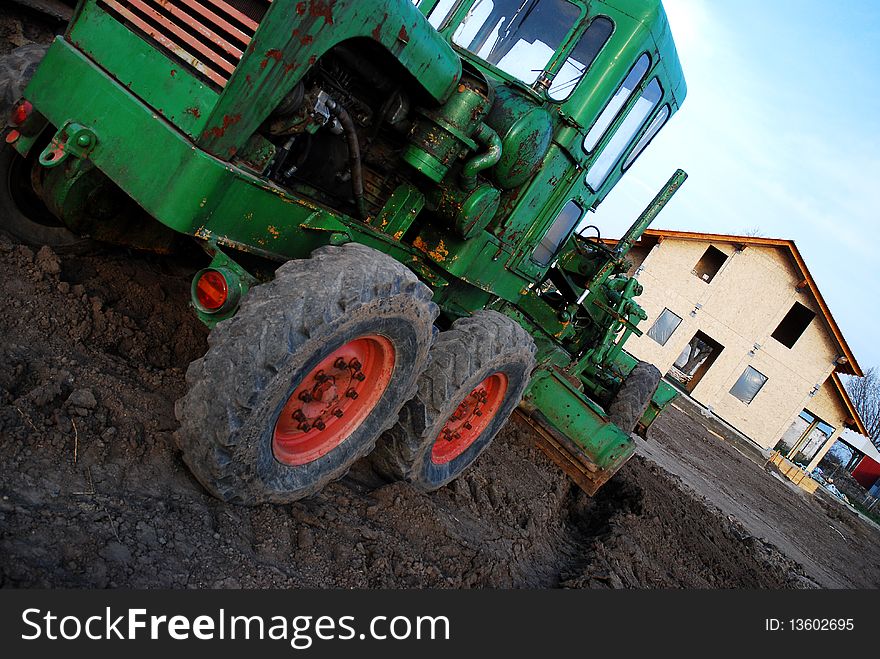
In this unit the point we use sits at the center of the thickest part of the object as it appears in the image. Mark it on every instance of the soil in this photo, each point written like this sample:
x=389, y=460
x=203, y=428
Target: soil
x=93, y=493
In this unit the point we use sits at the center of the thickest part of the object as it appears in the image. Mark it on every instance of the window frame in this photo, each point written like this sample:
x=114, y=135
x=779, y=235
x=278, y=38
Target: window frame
x=742, y=375
x=657, y=320
x=589, y=66
x=639, y=147
x=555, y=252
x=621, y=110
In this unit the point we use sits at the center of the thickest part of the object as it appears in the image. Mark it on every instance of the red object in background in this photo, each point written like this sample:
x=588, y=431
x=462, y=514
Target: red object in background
x=867, y=472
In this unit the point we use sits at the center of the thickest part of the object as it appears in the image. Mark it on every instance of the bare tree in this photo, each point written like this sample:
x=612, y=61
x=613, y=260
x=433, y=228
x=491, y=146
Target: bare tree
x=865, y=395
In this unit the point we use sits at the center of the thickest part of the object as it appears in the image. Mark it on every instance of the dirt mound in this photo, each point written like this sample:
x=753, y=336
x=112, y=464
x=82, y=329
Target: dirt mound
x=93, y=491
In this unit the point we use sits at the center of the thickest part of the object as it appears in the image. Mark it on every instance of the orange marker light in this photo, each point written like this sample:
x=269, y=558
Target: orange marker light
x=212, y=290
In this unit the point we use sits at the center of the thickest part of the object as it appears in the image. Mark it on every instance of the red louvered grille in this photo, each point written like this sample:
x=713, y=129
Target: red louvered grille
x=209, y=35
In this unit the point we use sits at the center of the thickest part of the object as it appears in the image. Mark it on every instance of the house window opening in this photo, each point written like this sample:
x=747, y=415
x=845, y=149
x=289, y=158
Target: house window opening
x=804, y=438
x=709, y=264
x=663, y=328
x=793, y=325
x=694, y=361
x=748, y=385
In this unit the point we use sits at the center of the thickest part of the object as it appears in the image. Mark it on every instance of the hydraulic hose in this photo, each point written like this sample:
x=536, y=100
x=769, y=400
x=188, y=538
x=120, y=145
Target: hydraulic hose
x=354, y=155
x=478, y=163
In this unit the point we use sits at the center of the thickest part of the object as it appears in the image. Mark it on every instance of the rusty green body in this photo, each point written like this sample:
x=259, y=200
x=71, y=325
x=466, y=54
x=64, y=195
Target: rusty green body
x=465, y=168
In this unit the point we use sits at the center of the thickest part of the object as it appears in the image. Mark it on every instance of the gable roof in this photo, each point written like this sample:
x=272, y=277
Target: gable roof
x=851, y=367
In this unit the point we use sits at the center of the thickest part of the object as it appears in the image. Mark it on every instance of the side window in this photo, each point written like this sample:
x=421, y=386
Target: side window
x=748, y=385
x=580, y=59
x=656, y=124
x=630, y=126
x=793, y=325
x=609, y=114
x=663, y=328
x=561, y=229
x=441, y=12
x=709, y=264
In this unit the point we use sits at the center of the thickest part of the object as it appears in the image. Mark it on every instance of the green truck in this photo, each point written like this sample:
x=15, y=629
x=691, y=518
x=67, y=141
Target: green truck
x=391, y=198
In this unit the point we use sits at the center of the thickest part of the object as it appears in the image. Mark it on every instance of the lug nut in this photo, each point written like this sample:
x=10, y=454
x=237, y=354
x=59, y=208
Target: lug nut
x=456, y=435
x=339, y=363
x=478, y=413
x=354, y=364
x=320, y=425
x=360, y=377
x=298, y=416
x=320, y=377
x=337, y=414
x=468, y=425
x=305, y=397
x=305, y=427
x=351, y=393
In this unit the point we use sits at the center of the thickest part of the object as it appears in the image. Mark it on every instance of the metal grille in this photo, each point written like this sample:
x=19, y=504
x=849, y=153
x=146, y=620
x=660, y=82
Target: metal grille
x=209, y=35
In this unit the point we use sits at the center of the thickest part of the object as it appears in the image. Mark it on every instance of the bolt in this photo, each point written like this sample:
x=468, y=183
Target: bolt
x=305, y=427
x=478, y=413
x=84, y=139
x=337, y=414
x=298, y=416
x=360, y=377
x=456, y=435
x=351, y=393
x=320, y=377
x=468, y=425
x=305, y=397
x=320, y=424
x=339, y=363
x=354, y=364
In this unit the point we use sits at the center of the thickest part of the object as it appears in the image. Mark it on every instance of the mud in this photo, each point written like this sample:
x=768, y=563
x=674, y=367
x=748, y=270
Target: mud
x=93, y=491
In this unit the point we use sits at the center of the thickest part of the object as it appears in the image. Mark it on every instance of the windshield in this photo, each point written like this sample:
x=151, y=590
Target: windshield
x=520, y=37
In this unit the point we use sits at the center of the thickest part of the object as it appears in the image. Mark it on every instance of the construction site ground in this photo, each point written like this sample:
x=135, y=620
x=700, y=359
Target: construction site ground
x=93, y=493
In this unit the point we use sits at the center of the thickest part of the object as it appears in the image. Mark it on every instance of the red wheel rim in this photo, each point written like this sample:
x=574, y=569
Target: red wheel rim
x=333, y=399
x=470, y=419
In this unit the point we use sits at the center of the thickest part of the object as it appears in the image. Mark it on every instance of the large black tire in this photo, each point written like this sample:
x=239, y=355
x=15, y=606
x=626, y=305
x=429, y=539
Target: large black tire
x=282, y=332
x=462, y=358
x=634, y=396
x=16, y=69
x=22, y=215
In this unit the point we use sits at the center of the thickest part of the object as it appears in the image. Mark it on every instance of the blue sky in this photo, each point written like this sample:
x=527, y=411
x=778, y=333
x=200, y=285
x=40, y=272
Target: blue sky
x=780, y=133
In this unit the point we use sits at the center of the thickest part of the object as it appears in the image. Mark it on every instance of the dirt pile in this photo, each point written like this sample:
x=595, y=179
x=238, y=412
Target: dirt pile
x=93, y=492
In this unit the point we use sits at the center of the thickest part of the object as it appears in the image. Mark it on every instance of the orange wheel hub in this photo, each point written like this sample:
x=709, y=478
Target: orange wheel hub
x=333, y=400
x=470, y=419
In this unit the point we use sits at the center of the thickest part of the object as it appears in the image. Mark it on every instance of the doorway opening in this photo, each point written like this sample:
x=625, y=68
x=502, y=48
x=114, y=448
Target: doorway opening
x=694, y=361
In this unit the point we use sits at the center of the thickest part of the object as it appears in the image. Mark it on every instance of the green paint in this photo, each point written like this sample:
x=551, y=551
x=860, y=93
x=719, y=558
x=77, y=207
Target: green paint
x=465, y=168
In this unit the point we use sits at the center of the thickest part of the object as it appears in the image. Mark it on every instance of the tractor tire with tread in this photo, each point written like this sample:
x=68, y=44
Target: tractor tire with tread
x=257, y=358
x=472, y=349
x=634, y=396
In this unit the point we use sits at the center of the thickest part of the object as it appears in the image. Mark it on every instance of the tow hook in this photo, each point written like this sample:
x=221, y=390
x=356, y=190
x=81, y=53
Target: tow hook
x=72, y=139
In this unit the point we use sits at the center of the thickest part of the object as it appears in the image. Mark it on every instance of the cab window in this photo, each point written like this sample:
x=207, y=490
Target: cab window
x=580, y=59
x=518, y=36
x=609, y=114
x=656, y=124
x=630, y=126
x=557, y=234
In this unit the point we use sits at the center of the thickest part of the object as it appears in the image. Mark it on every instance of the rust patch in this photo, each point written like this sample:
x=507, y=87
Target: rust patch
x=439, y=253
x=173, y=72
x=194, y=111
x=275, y=232
x=307, y=40
x=300, y=8
x=377, y=31
x=322, y=9
x=313, y=59
x=220, y=131
x=403, y=35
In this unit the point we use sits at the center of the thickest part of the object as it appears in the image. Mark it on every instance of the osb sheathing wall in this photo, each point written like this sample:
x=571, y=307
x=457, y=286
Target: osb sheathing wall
x=740, y=307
